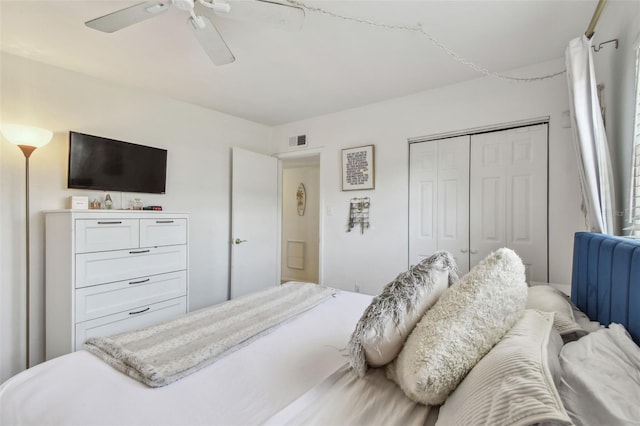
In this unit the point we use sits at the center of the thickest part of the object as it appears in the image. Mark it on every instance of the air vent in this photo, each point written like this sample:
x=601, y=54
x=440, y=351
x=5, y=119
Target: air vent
x=299, y=141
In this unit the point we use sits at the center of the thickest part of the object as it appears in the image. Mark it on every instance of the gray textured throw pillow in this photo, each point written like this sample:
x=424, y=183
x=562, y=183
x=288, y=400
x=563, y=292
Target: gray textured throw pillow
x=392, y=315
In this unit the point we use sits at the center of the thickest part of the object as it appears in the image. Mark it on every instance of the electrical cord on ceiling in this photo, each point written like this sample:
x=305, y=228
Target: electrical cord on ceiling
x=418, y=29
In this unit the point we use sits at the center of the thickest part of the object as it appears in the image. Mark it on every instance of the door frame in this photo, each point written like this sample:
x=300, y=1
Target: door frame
x=294, y=155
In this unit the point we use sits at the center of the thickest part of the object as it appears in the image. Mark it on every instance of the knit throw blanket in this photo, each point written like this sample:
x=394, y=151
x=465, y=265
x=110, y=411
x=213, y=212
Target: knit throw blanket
x=165, y=352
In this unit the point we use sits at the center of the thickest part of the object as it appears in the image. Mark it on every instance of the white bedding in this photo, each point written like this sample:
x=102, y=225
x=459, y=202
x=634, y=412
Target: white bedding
x=601, y=378
x=346, y=399
x=296, y=375
x=246, y=387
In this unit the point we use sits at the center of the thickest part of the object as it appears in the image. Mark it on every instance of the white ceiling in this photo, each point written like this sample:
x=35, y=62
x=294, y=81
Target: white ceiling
x=330, y=65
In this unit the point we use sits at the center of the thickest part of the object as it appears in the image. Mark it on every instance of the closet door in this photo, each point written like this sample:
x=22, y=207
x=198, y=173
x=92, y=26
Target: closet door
x=508, y=196
x=439, y=199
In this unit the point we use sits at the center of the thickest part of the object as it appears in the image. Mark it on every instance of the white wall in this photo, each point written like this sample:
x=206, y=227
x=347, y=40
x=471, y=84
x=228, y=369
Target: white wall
x=301, y=228
x=373, y=259
x=198, y=141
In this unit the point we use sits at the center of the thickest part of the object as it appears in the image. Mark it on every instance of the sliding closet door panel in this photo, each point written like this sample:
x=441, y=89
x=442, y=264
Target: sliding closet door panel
x=439, y=200
x=423, y=184
x=509, y=196
x=453, y=199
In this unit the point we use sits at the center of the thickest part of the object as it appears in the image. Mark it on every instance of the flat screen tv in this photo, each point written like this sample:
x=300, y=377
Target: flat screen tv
x=111, y=165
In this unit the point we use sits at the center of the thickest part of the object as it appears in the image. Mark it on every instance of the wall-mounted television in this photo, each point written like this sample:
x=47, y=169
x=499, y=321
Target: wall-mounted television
x=111, y=165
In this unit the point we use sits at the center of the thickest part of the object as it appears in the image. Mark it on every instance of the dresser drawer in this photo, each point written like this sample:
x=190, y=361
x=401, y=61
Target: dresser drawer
x=121, y=265
x=162, y=232
x=141, y=317
x=106, y=299
x=106, y=234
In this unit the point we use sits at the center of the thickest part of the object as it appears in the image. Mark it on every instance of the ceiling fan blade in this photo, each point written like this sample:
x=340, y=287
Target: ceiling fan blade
x=278, y=15
x=211, y=41
x=128, y=16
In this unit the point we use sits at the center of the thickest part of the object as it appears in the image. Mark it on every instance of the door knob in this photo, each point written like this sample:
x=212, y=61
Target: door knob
x=474, y=251
x=464, y=250
x=238, y=241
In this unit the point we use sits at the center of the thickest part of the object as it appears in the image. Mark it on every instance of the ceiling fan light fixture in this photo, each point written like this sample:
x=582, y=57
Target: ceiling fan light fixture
x=196, y=22
x=186, y=5
x=218, y=6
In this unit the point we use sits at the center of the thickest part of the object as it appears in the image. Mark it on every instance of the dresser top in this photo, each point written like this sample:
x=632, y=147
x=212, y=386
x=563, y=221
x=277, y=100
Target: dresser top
x=114, y=213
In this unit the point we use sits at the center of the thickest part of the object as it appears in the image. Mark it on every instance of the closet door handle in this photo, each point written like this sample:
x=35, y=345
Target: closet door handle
x=139, y=282
x=473, y=251
x=139, y=251
x=139, y=312
x=464, y=250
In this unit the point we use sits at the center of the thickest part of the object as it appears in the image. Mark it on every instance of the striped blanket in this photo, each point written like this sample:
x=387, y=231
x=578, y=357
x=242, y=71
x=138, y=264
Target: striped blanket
x=165, y=352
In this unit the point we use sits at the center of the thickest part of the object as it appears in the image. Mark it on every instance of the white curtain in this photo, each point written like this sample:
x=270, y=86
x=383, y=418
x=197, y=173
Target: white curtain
x=594, y=164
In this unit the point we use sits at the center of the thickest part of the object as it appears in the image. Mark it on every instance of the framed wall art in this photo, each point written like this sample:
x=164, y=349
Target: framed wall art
x=358, y=168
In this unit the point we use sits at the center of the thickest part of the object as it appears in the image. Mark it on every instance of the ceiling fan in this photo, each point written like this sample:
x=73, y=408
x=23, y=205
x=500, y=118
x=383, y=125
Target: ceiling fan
x=277, y=14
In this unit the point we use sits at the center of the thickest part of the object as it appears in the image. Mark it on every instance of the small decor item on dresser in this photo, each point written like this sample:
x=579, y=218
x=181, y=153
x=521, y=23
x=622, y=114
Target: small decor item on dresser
x=108, y=203
x=301, y=199
x=154, y=208
x=137, y=204
x=79, y=202
x=95, y=204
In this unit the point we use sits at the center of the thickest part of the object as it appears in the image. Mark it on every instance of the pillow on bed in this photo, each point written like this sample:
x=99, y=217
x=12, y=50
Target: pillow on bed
x=515, y=383
x=548, y=299
x=461, y=328
x=388, y=320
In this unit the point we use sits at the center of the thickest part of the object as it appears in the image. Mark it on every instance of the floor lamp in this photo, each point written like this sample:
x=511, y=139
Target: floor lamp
x=27, y=138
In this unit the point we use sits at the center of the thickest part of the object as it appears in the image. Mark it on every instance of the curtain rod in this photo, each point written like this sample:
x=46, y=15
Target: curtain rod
x=594, y=19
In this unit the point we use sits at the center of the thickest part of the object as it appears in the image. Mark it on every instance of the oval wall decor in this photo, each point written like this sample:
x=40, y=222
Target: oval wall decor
x=301, y=197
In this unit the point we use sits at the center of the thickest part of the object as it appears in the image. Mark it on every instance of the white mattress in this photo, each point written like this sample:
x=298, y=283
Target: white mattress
x=247, y=387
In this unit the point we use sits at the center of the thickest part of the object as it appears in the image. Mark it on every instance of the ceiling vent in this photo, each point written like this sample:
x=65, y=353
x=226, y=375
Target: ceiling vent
x=299, y=141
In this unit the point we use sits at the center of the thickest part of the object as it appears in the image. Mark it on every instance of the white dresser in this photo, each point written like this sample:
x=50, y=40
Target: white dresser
x=112, y=271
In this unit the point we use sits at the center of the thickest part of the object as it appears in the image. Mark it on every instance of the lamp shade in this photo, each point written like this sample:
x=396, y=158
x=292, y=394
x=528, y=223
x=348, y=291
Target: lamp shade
x=19, y=134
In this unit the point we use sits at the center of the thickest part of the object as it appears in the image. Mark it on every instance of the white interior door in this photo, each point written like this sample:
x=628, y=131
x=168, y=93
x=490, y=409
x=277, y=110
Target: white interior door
x=254, y=222
x=439, y=199
x=508, y=196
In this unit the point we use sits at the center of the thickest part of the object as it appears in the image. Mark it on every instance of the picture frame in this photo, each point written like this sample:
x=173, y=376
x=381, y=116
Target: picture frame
x=358, y=168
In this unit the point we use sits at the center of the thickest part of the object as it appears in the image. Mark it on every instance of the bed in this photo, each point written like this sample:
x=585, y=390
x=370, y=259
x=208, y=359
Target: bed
x=299, y=372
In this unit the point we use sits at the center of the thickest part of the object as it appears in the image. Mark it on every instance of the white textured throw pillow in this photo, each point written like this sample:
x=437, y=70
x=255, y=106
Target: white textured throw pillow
x=461, y=328
x=388, y=320
x=513, y=384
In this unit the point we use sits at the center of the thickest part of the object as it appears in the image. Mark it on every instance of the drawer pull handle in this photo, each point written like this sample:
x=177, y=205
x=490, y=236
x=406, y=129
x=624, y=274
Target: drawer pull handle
x=139, y=312
x=139, y=251
x=164, y=221
x=139, y=282
x=114, y=222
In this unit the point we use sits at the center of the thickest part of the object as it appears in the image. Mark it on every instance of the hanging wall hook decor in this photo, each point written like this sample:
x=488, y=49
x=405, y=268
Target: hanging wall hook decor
x=359, y=213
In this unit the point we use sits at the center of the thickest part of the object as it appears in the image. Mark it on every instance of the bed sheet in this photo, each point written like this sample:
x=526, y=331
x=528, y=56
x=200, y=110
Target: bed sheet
x=346, y=399
x=246, y=387
x=601, y=378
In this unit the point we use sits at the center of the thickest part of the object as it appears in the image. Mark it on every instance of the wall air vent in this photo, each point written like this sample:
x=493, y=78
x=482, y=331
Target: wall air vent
x=299, y=141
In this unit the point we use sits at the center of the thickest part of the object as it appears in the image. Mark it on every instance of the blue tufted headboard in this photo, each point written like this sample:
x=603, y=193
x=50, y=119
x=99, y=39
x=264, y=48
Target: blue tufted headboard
x=606, y=279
